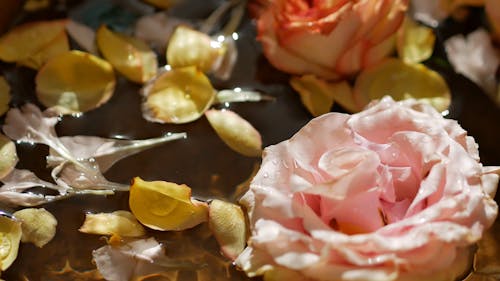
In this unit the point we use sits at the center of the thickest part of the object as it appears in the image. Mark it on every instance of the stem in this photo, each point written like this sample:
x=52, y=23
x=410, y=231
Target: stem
x=235, y=20
x=236, y=16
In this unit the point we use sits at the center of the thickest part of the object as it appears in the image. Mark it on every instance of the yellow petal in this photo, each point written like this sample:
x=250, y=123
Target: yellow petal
x=164, y=205
x=130, y=56
x=55, y=47
x=227, y=222
x=10, y=236
x=75, y=82
x=26, y=40
x=402, y=81
x=189, y=47
x=318, y=95
x=163, y=4
x=4, y=95
x=236, y=132
x=35, y=5
x=38, y=225
x=178, y=95
x=122, y=223
x=8, y=156
x=415, y=42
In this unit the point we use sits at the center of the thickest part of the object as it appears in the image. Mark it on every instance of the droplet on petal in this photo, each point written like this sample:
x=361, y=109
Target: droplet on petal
x=179, y=95
x=130, y=56
x=122, y=223
x=75, y=82
x=415, y=42
x=402, y=81
x=227, y=222
x=38, y=226
x=4, y=95
x=8, y=156
x=236, y=132
x=165, y=206
x=31, y=44
x=10, y=236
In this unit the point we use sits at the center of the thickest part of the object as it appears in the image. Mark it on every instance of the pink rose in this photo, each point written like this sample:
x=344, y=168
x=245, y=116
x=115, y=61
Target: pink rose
x=395, y=192
x=327, y=38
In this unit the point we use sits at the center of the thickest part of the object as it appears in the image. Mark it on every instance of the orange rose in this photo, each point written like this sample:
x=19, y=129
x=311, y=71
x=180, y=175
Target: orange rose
x=327, y=38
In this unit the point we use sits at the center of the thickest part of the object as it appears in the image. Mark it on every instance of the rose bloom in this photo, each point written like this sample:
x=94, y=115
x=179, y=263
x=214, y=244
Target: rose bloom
x=327, y=38
x=395, y=192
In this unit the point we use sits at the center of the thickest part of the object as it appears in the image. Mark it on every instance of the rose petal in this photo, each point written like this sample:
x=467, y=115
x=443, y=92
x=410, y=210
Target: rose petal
x=236, y=132
x=38, y=226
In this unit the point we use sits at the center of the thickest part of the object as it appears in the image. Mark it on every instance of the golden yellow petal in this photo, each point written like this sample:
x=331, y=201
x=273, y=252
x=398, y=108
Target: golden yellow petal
x=122, y=223
x=164, y=205
x=178, y=96
x=38, y=225
x=402, y=81
x=162, y=4
x=236, y=132
x=28, y=39
x=55, y=47
x=415, y=42
x=5, y=95
x=75, y=82
x=130, y=56
x=318, y=95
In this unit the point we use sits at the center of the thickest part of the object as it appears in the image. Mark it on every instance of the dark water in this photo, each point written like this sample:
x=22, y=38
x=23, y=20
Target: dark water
x=202, y=161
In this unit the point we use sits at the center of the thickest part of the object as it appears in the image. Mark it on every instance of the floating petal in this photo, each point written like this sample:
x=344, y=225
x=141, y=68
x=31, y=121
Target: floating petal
x=164, y=205
x=402, y=81
x=189, y=47
x=178, y=96
x=130, y=56
x=122, y=223
x=75, y=82
x=227, y=222
x=318, y=95
x=415, y=42
x=38, y=226
x=8, y=156
x=4, y=95
x=32, y=39
x=10, y=236
x=236, y=132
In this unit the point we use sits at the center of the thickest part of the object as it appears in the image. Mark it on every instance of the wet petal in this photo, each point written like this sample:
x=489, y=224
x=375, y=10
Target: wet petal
x=319, y=95
x=75, y=82
x=24, y=42
x=38, y=226
x=130, y=56
x=165, y=206
x=402, y=81
x=10, y=236
x=415, y=42
x=4, y=95
x=8, y=156
x=177, y=96
x=227, y=222
x=122, y=223
x=188, y=47
x=236, y=132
